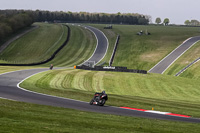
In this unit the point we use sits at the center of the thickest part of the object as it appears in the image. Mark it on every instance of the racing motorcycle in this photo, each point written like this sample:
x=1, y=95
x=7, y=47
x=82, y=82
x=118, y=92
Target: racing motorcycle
x=99, y=99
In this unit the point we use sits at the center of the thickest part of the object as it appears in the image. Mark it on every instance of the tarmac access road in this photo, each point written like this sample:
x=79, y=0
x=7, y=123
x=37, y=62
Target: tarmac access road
x=165, y=63
x=9, y=90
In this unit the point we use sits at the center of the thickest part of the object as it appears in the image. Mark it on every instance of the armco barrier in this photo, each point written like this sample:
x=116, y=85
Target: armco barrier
x=177, y=74
x=112, y=69
x=47, y=60
x=114, y=51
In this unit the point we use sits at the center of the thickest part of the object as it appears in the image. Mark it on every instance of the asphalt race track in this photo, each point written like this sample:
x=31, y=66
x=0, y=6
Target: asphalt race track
x=9, y=89
x=174, y=55
x=101, y=48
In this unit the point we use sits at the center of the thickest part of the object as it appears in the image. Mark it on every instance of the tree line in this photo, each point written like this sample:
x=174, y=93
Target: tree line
x=165, y=22
x=11, y=22
x=85, y=17
x=192, y=22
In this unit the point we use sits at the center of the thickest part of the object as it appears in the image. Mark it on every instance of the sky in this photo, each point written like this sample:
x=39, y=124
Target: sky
x=176, y=10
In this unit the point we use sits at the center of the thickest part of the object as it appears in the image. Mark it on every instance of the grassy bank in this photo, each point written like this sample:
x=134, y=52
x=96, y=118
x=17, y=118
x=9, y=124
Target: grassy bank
x=40, y=44
x=164, y=93
x=24, y=117
x=35, y=46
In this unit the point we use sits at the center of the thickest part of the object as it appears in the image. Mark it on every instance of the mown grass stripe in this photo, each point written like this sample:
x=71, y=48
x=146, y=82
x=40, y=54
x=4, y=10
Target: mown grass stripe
x=97, y=82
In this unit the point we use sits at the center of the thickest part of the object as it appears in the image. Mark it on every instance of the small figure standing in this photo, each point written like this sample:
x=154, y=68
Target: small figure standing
x=51, y=67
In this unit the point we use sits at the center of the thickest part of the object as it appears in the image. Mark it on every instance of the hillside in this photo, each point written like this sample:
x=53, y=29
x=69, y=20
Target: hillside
x=35, y=46
x=143, y=52
x=41, y=43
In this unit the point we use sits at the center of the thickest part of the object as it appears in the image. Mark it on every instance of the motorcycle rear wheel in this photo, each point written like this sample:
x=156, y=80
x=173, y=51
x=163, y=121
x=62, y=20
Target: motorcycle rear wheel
x=102, y=102
x=91, y=102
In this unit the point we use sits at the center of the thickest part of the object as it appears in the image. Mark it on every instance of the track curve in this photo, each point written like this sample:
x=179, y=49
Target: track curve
x=101, y=48
x=165, y=63
x=9, y=90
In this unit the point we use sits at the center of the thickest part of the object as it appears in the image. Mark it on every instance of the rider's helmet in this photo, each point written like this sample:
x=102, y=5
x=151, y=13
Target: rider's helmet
x=103, y=92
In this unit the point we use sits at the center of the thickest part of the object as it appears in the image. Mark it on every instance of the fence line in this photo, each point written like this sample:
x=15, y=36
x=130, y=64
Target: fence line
x=181, y=71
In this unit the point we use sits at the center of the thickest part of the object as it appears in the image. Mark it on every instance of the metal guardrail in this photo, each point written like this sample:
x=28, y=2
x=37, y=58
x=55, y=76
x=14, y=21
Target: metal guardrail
x=112, y=69
x=181, y=71
x=114, y=50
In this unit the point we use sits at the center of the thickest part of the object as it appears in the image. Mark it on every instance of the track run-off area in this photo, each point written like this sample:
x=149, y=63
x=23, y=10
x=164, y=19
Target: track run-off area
x=10, y=89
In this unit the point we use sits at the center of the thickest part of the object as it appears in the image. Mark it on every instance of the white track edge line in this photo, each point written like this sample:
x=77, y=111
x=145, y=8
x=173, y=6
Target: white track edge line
x=95, y=48
x=7, y=99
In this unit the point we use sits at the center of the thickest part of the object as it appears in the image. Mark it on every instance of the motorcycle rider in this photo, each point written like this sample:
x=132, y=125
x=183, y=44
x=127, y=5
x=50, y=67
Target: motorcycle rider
x=100, y=94
x=103, y=93
x=99, y=98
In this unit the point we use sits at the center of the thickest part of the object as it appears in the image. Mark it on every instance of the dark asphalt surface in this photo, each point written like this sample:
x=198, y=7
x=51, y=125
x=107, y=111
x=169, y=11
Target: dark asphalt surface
x=9, y=90
x=166, y=62
x=102, y=45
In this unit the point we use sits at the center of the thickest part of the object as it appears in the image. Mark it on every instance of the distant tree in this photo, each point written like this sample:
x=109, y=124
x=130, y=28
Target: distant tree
x=13, y=20
x=166, y=21
x=142, y=21
x=158, y=20
x=187, y=22
x=194, y=22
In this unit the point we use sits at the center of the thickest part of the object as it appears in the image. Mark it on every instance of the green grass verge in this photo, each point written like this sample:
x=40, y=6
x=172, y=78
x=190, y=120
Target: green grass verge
x=189, y=56
x=35, y=46
x=80, y=47
x=143, y=52
x=4, y=69
x=162, y=92
x=24, y=117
